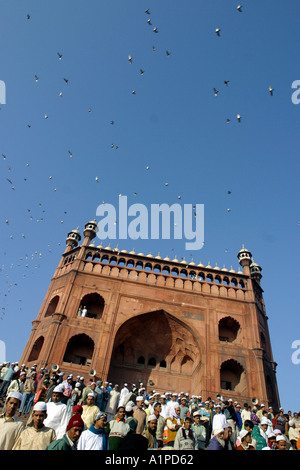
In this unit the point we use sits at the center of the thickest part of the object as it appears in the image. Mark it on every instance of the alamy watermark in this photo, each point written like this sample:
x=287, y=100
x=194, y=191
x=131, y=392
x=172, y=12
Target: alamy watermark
x=2, y=352
x=296, y=94
x=2, y=92
x=188, y=222
x=296, y=354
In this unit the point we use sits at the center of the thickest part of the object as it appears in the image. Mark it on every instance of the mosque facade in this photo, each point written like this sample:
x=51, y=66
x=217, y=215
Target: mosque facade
x=173, y=326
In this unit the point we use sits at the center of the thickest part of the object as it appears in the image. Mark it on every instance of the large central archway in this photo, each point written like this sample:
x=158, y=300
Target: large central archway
x=159, y=351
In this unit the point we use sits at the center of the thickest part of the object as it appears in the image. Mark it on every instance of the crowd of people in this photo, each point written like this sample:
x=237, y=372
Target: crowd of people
x=49, y=410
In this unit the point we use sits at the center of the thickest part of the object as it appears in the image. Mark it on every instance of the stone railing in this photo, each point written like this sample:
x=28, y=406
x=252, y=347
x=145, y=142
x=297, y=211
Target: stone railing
x=163, y=272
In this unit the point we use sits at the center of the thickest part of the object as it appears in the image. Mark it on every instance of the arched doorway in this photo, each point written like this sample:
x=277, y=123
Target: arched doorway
x=156, y=348
x=79, y=350
x=36, y=349
x=94, y=304
x=232, y=376
x=52, y=306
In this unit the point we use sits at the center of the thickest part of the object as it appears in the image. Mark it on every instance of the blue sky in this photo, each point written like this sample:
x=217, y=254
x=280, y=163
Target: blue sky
x=174, y=124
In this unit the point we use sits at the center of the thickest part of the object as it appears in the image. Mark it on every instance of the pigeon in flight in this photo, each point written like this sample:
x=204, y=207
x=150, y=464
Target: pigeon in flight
x=168, y=53
x=147, y=11
x=239, y=117
x=239, y=8
x=216, y=92
x=155, y=30
x=130, y=59
x=59, y=56
x=149, y=21
x=36, y=78
x=218, y=31
x=226, y=82
x=271, y=90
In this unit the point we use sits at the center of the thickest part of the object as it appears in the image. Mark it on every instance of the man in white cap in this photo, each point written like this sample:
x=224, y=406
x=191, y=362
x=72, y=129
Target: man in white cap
x=124, y=392
x=281, y=443
x=219, y=419
x=36, y=436
x=57, y=414
x=89, y=410
x=140, y=414
x=217, y=442
x=17, y=385
x=10, y=426
x=150, y=432
x=245, y=439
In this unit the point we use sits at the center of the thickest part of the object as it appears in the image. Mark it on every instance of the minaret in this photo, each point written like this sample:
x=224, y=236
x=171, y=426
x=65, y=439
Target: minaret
x=255, y=271
x=72, y=240
x=90, y=231
x=244, y=257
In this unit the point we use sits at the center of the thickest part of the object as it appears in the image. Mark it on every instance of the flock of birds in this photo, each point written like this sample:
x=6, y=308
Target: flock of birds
x=38, y=255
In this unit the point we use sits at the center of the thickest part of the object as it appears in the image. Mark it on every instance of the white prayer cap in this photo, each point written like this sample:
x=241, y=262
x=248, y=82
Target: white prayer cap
x=81, y=378
x=266, y=448
x=230, y=399
x=291, y=422
x=77, y=384
x=40, y=406
x=128, y=408
x=78, y=376
x=16, y=395
x=217, y=431
x=140, y=398
x=218, y=406
x=125, y=385
x=197, y=413
x=264, y=420
x=91, y=394
x=277, y=431
x=262, y=405
x=163, y=396
x=151, y=418
x=280, y=437
x=58, y=389
x=243, y=433
x=23, y=373
x=174, y=394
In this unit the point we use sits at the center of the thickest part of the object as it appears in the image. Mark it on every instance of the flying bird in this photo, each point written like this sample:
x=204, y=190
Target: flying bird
x=97, y=179
x=216, y=92
x=271, y=90
x=218, y=31
x=239, y=117
x=226, y=82
x=147, y=11
x=239, y=8
x=130, y=59
x=149, y=21
x=66, y=80
x=70, y=153
x=168, y=53
x=155, y=30
x=59, y=56
x=142, y=71
x=36, y=78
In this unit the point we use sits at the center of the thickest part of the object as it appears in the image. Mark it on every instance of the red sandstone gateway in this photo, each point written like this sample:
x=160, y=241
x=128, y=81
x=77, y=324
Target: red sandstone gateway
x=171, y=325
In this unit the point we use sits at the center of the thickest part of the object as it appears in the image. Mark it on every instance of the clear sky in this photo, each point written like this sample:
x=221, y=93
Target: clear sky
x=173, y=124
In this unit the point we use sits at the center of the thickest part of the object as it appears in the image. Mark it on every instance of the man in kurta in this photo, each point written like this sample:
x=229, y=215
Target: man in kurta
x=36, y=436
x=140, y=414
x=57, y=414
x=10, y=426
x=90, y=410
x=113, y=402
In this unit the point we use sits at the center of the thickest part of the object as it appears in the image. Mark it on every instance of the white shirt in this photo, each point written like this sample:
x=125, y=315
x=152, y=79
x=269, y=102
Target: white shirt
x=90, y=441
x=57, y=418
x=219, y=421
